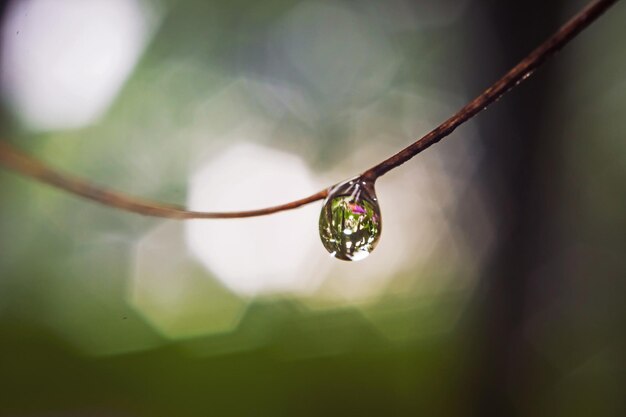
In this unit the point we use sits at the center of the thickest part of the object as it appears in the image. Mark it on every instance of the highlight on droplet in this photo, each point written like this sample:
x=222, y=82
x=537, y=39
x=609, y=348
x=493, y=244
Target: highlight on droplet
x=350, y=221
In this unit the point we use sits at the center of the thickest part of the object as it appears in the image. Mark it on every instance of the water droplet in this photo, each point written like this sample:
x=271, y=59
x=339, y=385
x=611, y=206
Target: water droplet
x=350, y=222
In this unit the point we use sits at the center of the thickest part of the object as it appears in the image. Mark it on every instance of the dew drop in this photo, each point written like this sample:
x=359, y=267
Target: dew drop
x=350, y=222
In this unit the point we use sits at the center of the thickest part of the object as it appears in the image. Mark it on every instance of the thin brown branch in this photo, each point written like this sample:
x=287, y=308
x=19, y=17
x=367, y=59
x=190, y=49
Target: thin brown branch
x=18, y=161
x=512, y=79
x=26, y=165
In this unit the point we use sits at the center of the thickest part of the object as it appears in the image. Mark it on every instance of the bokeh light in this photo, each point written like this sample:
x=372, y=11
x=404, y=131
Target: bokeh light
x=64, y=61
x=497, y=284
x=174, y=293
x=263, y=255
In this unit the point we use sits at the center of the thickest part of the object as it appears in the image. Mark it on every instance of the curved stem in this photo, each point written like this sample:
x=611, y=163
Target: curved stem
x=26, y=165
x=511, y=79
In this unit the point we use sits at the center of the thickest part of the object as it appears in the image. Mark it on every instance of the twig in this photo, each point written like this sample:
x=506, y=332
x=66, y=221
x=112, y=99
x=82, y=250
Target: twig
x=512, y=79
x=26, y=165
x=18, y=161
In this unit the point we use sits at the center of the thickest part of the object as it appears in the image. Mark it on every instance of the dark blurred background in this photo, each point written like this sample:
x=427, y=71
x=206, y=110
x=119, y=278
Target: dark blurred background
x=498, y=285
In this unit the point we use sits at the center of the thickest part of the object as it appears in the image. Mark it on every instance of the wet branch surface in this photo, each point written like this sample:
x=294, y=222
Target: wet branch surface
x=16, y=160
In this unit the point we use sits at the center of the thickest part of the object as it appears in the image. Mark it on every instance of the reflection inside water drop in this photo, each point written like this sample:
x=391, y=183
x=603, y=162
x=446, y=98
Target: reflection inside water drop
x=350, y=222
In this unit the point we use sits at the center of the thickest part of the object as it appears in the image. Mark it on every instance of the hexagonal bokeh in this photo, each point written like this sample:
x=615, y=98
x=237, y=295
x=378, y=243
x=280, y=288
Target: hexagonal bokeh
x=262, y=255
x=63, y=62
x=413, y=226
x=173, y=293
x=417, y=203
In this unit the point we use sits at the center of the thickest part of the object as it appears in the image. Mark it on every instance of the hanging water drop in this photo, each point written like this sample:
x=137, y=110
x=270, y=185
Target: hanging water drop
x=350, y=222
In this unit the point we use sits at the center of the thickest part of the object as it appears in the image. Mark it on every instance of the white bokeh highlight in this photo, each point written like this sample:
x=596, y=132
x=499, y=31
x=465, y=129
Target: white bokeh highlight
x=413, y=226
x=173, y=292
x=274, y=254
x=417, y=202
x=64, y=61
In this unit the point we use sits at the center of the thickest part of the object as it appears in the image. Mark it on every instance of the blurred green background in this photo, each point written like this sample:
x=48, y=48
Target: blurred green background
x=498, y=284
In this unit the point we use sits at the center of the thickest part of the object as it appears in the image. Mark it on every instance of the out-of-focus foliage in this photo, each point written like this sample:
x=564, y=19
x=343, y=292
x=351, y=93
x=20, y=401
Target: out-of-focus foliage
x=236, y=105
